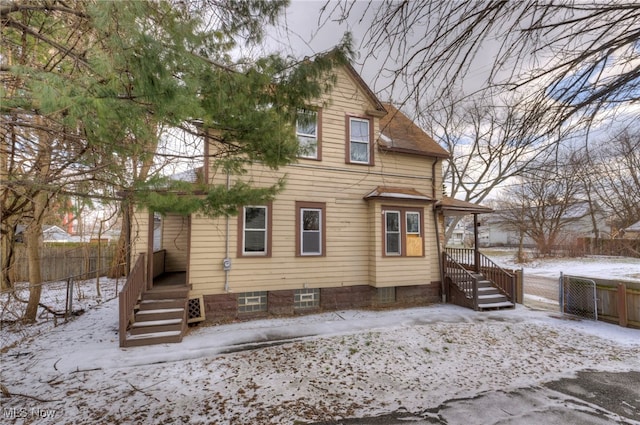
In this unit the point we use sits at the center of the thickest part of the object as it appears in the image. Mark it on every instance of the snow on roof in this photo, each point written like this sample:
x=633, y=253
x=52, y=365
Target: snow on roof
x=635, y=227
x=397, y=193
x=190, y=176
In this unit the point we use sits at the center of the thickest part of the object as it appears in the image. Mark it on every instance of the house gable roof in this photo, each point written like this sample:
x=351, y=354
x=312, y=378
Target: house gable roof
x=400, y=134
x=379, y=110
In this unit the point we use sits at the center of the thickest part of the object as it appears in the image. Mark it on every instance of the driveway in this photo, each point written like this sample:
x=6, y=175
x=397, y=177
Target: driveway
x=590, y=398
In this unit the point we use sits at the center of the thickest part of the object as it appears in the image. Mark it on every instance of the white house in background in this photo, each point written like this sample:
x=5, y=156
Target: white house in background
x=50, y=233
x=462, y=232
x=578, y=222
x=633, y=231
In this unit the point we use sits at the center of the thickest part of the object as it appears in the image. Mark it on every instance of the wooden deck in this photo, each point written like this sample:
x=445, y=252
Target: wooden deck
x=170, y=279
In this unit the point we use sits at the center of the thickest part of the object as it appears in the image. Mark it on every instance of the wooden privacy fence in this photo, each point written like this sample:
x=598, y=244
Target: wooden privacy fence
x=616, y=301
x=58, y=262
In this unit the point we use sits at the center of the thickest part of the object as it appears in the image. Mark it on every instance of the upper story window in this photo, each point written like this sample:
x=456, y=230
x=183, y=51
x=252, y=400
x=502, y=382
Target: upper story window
x=359, y=140
x=308, y=131
x=254, y=235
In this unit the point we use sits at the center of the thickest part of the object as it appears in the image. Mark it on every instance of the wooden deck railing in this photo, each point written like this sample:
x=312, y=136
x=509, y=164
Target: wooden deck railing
x=505, y=281
x=463, y=256
x=465, y=281
x=129, y=295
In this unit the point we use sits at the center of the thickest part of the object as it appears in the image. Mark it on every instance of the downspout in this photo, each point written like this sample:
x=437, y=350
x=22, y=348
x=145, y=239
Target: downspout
x=227, y=262
x=435, y=222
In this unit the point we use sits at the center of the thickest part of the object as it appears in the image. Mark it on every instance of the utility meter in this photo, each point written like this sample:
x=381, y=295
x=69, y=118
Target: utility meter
x=226, y=264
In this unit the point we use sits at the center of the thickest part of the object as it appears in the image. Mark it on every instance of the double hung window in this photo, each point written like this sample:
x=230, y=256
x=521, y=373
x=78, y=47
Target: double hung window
x=254, y=236
x=308, y=133
x=310, y=228
x=359, y=140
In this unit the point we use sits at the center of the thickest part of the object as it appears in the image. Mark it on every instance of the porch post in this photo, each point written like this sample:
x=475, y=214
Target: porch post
x=476, y=249
x=150, y=228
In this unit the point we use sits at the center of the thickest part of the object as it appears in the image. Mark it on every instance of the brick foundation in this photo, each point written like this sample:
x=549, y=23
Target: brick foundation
x=418, y=294
x=346, y=297
x=220, y=308
x=224, y=307
x=280, y=303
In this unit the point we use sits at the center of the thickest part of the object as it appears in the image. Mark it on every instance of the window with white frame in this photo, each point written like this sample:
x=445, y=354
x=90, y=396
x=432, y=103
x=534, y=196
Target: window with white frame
x=310, y=228
x=254, y=231
x=308, y=133
x=359, y=140
x=393, y=245
x=413, y=223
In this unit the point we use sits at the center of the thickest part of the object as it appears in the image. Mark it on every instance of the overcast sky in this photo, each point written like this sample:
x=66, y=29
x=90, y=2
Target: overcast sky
x=304, y=31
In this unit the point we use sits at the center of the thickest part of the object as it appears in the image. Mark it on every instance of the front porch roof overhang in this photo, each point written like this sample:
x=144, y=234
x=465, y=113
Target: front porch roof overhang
x=450, y=206
x=397, y=194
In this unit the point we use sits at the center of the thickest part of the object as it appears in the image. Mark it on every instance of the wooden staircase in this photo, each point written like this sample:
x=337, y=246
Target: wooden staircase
x=489, y=296
x=481, y=287
x=159, y=317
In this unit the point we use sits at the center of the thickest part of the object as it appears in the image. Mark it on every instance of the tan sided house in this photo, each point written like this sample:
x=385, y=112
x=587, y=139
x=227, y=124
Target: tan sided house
x=357, y=225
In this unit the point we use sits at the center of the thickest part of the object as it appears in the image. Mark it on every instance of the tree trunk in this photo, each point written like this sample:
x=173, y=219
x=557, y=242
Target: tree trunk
x=121, y=263
x=521, y=247
x=7, y=253
x=32, y=235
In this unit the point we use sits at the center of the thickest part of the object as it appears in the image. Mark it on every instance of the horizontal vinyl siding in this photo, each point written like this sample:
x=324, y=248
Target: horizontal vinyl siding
x=175, y=240
x=139, y=234
x=353, y=232
x=350, y=257
x=403, y=271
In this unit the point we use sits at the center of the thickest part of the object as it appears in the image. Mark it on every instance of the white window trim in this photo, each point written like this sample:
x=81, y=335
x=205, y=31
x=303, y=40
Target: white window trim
x=398, y=232
x=302, y=231
x=265, y=230
x=407, y=214
x=368, y=143
x=313, y=136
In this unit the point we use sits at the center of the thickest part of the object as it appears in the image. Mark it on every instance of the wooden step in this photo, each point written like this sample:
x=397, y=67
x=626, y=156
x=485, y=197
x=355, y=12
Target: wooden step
x=159, y=314
x=168, y=337
x=496, y=305
x=492, y=298
x=155, y=326
x=162, y=304
x=171, y=292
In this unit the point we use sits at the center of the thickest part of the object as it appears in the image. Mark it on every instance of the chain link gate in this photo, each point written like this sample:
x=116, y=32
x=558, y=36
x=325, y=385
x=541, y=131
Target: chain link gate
x=578, y=296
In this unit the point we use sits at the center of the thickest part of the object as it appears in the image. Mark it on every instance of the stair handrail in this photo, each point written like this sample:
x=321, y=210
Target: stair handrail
x=462, y=271
x=464, y=256
x=130, y=294
x=505, y=281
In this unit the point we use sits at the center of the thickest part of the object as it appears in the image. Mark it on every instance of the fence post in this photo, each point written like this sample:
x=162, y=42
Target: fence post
x=519, y=277
x=561, y=292
x=622, y=305
x=69, y=309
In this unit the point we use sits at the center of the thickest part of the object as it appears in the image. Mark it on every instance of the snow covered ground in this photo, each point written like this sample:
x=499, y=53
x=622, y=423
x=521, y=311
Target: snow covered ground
x=601, y=267
x=304, y=369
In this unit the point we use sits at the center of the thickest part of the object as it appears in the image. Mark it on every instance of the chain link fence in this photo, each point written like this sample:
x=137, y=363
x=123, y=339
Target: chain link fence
x=578, y=296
